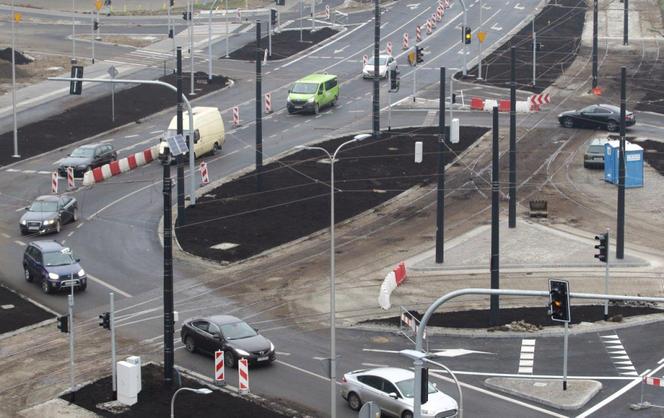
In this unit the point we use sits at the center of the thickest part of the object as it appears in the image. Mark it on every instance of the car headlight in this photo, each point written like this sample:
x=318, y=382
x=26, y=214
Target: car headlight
x=23, y=222
x=311, y=100
x=241, y=352
x=81, y=273
x=53, y=276
x=49, y=221
x=271, y=346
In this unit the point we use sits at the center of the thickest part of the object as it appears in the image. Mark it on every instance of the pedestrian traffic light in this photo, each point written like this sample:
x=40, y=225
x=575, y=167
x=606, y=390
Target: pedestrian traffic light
x=559, y=308
x=603, y=247
x=394, y=80
x=95, y=24
x=419, y=54
x=63, y=323
x=453, y=98
x=172, y=3
x=468, y=35
x=170, y=33
x=105, y=320
x=76, y=87
x=424, y=386
x=273, y=17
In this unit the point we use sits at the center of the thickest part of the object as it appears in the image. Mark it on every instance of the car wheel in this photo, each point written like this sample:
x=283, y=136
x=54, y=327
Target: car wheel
x=76, y=215
x=216, y=148
x=27, y=274
x=334, y=102
x=58, y=227
x=46, y=286
x=568, y=122
x=354, y=401
x=229, y=359
x=612, y=126
x=407, y=414
x=316, y=108
x=83, y=287
x=190, y=345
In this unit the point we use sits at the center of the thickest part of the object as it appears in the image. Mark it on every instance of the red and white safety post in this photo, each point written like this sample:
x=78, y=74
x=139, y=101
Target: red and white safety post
x=54, y=182
x=239, y=14
x=327, y=11
x=243, y=376
x=418, y=33
x=388, y=48
x=236, y=116
x=205, y=178
x=429, y=27
x=650, y=381
x=70, y=178
x=268, y=102
x=365, y=60
x=219, y=369
x=404, y=43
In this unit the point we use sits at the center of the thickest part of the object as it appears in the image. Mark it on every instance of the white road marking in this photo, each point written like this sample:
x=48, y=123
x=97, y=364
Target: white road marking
x=110, y=286
x=134, y=145
x=131, y=136
x=376, y=350
x=12, y=170
x=80, y=225
x=6, y=235
x=619, y=357
x=302, y=370
x=319, y=358
x=538, y=376
x=280, y=353
x=44, y=172
x=156, y=132
x=21, y=243
x=29, y=171
x=70, y=234
x=20, y=209
x=526, y=361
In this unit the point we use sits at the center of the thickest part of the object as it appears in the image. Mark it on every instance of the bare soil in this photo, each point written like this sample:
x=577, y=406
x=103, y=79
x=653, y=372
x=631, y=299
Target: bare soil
x=17, y=312
x=33, y=72
x=135, y=41
x=653, y=154
x=284, y=44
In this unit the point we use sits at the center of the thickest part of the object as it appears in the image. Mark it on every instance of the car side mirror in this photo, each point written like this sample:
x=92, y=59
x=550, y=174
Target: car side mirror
x=26, y=208
x=78, y=260
x=393, y=395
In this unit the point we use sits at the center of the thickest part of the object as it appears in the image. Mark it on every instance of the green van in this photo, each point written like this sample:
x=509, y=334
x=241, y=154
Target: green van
x=313, y=92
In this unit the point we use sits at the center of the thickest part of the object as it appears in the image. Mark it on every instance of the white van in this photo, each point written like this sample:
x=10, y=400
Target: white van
x=209, y=134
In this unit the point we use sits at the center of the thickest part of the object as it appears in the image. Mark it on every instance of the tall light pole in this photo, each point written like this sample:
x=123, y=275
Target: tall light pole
x=463, y=31
x=190, y=7
x=13, y=19
x=73, y=32
x=333, y=346
x=210, y=40
x=226, y=28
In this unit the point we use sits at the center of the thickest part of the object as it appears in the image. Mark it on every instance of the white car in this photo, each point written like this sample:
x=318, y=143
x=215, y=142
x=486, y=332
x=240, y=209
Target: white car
x=385, y=62
x=391, y=389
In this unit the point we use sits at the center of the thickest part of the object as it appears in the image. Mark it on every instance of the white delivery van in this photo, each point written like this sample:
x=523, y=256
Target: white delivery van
x=209, y=134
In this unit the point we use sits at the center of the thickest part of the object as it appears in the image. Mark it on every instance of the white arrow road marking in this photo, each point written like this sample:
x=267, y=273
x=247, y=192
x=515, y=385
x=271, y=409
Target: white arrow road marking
x=456, y=352
x=413, y=6
x=518, y=6
x=496, y=27
x=336, y=51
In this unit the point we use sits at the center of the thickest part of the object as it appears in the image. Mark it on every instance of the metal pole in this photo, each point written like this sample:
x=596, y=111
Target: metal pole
x=620, y=231
x=73, y=31
x=191, y=51
x=595, y=29
x=301, y=17
x=333, y=306
x=269, y=35
x=113, y=363
x=171, y=24
x=313, y=16
x=534, y=52
x=227, y=28
x=93, y=37
x=72, y=385
x=389, y=103
x=479, y=64
x=625, y=22
x=606, y=276
x=376, y=80
x=565, y=355
x=210, y=43
x=415, y=78
x=259, y=110
x=98, y=26
x=495, y=238
x=112, y=100
x=13, y=18
x=440, y=190
x=512, y=185
x=451, y=94
x=465, y=25
x=456, y=382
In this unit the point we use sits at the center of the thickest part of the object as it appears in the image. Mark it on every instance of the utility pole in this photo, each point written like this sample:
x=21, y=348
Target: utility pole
x=192, y=92
x=227, y=28
x=620, y=231
x=512, y=191
x=70, y=301
x=625, y=23
x=313, y=16
x=171, y=26
x=94, y=23
x=595, y=12
x=534, y=51
x=13, y=19
x=259, y=111
x=210, y=42
x=465, y=25
x=479, y=64
x=301, y=18
x=113, y=362
x=376, y=80
x=73, y=32
x=440, y=190
x=495, y=190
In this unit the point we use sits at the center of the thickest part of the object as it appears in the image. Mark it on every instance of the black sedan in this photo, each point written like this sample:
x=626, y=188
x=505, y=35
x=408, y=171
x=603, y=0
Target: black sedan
x=48, y=213
x=87, y=157
x=602, y=116
x=231, y=335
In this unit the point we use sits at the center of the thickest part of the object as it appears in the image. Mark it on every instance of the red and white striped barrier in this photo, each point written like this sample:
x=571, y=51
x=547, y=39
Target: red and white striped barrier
x=365, y=60
x=219, y=369
x=393, y=279
x=54, y=182
x=114, y=168
x=411, y=322
x=205, y=178
x=418, y=33
x=243, y=376
x=268, y=102
x=653, y=381
x=388, y=48
x=327, y=11
x=70, y=178
x=429, y=27
x=404, y=42
x=447, y=4
x=236, y=116
x=538, y=100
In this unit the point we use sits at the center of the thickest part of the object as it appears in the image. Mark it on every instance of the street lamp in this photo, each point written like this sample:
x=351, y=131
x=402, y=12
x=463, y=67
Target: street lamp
x=201, y=391
x=333, y=348
x=420, y=357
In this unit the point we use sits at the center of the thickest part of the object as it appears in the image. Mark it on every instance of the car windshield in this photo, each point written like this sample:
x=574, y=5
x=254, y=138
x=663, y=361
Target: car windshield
x=596, y=149
x=381, y=61
x=83, y=152
x=58, y=258
x=43, y=206
x=406, y=387
x=237, y=331
x=304, y=88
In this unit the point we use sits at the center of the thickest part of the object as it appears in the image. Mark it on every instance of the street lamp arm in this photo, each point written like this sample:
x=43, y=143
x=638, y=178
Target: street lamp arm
x=315, y=148
x=334, y=156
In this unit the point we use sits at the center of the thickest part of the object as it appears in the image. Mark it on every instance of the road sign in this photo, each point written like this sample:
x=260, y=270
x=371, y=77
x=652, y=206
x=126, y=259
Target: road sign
x=17, y=17
x=177, y=145
x=113, y=72
x=411, y=57
x=98, y=4
x=481, y=36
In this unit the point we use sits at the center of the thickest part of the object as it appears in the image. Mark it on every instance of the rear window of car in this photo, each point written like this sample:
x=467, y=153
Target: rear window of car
x=596, y=149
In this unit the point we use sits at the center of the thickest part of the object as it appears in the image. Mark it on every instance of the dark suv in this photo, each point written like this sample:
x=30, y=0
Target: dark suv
x=53, y=266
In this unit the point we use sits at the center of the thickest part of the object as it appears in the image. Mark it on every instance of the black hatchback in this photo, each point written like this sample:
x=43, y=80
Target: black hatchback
x=53, y=266
x=229, y=334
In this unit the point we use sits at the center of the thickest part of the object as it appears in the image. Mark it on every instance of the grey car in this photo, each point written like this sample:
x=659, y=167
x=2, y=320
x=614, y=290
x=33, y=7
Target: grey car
x=391, y=389
x=47, y=214
x=87, y=157
x=593, y=157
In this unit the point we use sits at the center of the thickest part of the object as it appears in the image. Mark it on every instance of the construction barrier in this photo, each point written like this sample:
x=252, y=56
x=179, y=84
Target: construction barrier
x=489, y=104
x=243, y=376
x=236, y=116
x=404, y=43
x=54, y=182
x=219, y=369
x=205, y=178
x=115, y=168
x=476, y=103
x=418, y=33
x=268, y=102
x=70, y=178
x=388, y=48
x=429, y=27
x=648, y=381
x=504, y=105
x=409, y=325
x=365, y=59
x=327, y=11
x=392, y=280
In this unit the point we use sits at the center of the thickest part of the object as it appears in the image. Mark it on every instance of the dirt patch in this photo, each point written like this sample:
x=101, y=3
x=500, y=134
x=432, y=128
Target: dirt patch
x=284, y=44
x=92, y=118
x=653, y=154
x=20, y=58
x=155, y=399
x=558, y=28
x=17, y=312
x=294, y=201
x=478, y=319
x=38, y=70
x=135, y=41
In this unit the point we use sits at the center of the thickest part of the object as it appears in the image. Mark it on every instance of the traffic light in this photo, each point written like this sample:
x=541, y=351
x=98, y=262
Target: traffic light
x=172, y=3
x=273, y=17
x=419, y=54
x=559, y=308
x=63, y=323
x=95, y=24
x=394, y=80
x=467, y=35
x=424, y=385
x=186, y=15
x=603, y=247
x=108, y=2
x=453, y=98
x=76, y=87
x=105, y=320
x=170, y=33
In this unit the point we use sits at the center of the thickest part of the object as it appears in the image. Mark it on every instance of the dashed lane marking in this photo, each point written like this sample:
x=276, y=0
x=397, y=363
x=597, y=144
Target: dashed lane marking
x=280, y=353
x=131, y=136
x=6, y=235
x=70, y=234
x=21, y=243
x=155, y=132
x=373, y=365
x=527, y=359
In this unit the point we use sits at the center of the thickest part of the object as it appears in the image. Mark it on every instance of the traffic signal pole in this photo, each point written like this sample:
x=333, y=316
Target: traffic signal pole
x=440, y=191
x=565, y=338
x=606, y=277
x=72, y=388
x=494, y=311
x=620, y=232
x=113, y=362
x=465, y=25
x=376, y=78
x=259, y=110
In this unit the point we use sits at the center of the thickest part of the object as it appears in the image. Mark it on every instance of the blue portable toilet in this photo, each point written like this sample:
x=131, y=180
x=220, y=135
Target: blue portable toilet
x=633, y=163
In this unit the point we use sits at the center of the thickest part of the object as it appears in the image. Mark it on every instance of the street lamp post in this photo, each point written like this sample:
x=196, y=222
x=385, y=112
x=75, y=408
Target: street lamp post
x=201, y=391
x=13, y=19
x=333, y=348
